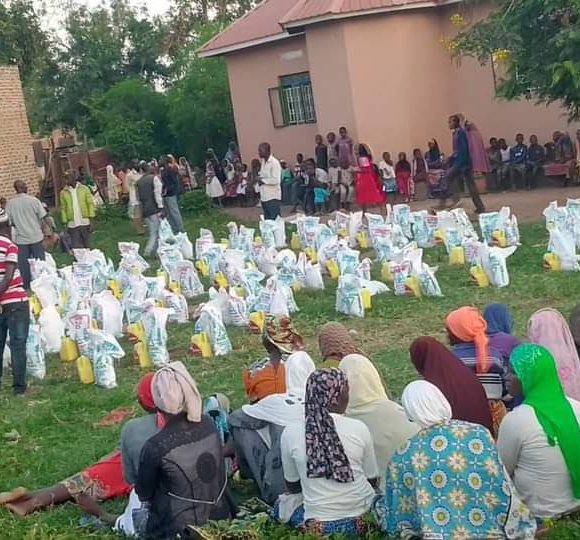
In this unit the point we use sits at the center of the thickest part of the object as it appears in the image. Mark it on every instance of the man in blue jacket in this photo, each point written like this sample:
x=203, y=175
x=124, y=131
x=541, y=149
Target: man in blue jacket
x=460, y=166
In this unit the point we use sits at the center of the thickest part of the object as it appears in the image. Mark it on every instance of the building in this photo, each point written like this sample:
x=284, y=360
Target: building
x=301, y=67
x=17, y=156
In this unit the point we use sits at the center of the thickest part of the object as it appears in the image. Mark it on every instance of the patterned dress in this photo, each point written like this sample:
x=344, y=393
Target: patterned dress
x=447, y=483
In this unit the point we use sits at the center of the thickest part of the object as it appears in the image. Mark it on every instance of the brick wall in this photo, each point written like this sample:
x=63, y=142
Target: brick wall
x=16, y=153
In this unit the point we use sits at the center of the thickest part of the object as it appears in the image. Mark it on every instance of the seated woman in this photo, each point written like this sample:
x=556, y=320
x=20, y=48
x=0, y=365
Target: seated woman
x=267, y=376
x=547, y=327
x=368, y=402
x=466, y=329
x=456, y=381
x=448, y=481
x=182, y=477
x=335, y=342
x=256, y=429
x=539, y=440
x=500, y=325
x=110, y=477
x=330, y=460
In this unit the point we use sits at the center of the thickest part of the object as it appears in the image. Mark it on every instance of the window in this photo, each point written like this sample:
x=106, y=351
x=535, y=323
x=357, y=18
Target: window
x=292, y=102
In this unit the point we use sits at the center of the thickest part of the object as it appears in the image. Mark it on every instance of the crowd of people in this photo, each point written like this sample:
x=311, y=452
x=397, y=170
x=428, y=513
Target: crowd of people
x=485, y=444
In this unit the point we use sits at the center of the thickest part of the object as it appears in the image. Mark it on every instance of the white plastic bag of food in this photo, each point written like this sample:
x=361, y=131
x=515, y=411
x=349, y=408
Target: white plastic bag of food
x=35, y=363
x=313, y=277
x=267, y=230
x=280, y=233
x=307, y=230
x=78, y=326
x=563, y=245
x=155, y=325
x=169, y=254
x=402, y=216
x=210, y=321
x=51, y=329
x=166, y=235
x=45, y=289
x=176, y=305
x=348, y=297
x=185, y=274
x=267, y=261
x=355, y=225
x=185, y=245
x=237, y=310
x=428, y=282
x=83, y=279
x=495, y=265
x=108, y=312
x=424, y=227
x=401, y=271
x=105, y=349
x=348, y=261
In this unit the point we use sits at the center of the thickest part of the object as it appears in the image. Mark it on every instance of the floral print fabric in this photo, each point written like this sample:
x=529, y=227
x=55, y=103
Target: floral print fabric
x=448, y=483
x=325, y=455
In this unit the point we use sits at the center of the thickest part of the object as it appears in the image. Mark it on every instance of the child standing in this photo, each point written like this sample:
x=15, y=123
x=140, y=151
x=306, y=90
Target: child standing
x=213, y=187
x=320, y=197
x=333, y=184
x=388, y=174
x=346, y=176
x=368, y=187
x=286, y=180
x=404, y=178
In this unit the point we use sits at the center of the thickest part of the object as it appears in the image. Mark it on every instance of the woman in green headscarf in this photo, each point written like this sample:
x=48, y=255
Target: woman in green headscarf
x=539, y=441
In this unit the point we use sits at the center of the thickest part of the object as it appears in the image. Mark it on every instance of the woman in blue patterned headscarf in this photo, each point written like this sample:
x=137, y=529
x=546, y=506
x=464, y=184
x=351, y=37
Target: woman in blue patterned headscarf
x=448, y=481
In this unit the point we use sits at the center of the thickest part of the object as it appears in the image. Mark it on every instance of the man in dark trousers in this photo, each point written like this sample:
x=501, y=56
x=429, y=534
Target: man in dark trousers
x=149, y=190
x=171, y=187
x=14, y=309
x=459, y=167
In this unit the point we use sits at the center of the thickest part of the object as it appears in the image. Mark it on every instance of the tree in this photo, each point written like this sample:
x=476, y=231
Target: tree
x=534, y=43
x=131, y=120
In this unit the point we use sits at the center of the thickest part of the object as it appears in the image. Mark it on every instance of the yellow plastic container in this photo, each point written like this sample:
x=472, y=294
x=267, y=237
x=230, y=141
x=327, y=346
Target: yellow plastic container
x=296, y=286
x=175, y=287
x=114, y=286
x=241, y=292
x=69, y=351
x=363, y=239
x=499, y=238
x=311, y=254
x=366, y=298
x=332, y=269
x=85, y=370
x=258, y=241
x=141, y=355
x=35, y=305
x=163, y=274
x=225, y=242
x=478, y=276
x=295, y=241
x=221, y=280
x=386, y=273
x=200, y=345
x=413, y=287
x=457, y=256
x=439, y=236
x=552, y=262
x=257, y=321
x=342, y=232
x=202, y=267
x=136, y=332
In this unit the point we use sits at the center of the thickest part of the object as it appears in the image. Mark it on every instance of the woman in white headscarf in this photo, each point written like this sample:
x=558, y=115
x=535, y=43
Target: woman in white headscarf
x=447, y=481
x=369, y=402
x=112, y=185
x=256, y=429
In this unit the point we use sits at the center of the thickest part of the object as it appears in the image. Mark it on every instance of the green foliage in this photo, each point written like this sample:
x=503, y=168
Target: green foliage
x=109, y=213
x=536, y=43
x=196, y=203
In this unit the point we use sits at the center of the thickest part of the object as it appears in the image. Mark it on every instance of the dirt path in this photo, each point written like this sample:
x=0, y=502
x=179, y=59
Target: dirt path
x=526, y=205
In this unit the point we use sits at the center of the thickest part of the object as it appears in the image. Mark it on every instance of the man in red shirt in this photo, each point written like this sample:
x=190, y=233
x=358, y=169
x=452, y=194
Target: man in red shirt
x=14, y=309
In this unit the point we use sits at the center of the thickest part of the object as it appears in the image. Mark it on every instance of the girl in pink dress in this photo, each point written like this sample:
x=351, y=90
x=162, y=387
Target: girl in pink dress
x=368, y=190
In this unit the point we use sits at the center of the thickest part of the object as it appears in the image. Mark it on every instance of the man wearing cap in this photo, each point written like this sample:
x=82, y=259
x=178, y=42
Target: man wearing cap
x=14, y=310
x=29, y=218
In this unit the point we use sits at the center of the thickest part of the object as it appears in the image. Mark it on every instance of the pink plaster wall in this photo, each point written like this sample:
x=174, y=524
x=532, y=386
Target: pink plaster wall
x=251, y=73
x=331, y=80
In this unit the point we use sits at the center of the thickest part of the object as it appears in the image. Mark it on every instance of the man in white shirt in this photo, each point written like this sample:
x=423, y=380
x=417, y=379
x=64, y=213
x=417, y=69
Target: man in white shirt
x=269, y=182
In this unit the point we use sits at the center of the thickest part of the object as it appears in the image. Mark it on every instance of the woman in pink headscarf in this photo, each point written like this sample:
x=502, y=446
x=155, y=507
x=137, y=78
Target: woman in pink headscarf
x=547, y=327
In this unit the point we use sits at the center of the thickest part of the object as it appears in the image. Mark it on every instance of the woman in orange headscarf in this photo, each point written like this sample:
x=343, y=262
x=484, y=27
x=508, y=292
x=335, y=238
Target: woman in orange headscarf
x=467, y=329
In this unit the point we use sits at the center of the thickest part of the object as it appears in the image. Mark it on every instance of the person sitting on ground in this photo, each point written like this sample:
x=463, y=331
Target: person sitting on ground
x=330, y=460
x=368, y=402
x=495, y=165
x=110, y=477
x=419, y=170
x=405, y=184
x=456, y=381
x=539, y=440
x=505, y=152
x=267, y=376
x=448, y=480
x=547, y=327
x=536, y=159
x=388, y=176
x=467, y=329
x=256, y=429
x=500, y=325
x=182, y=476
x=518, y=162
x=335, y=342
x=286, y=180
x=434, y=156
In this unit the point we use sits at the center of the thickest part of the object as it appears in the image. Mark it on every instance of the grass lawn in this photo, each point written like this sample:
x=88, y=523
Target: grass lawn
x=56, y=428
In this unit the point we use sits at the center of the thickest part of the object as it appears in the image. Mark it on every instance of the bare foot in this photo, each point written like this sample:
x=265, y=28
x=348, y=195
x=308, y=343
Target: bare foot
x=23, y=506
x=12, y=496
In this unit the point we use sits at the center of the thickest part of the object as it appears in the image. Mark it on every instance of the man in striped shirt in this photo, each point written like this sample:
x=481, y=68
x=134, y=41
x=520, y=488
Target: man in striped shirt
x=14, y=309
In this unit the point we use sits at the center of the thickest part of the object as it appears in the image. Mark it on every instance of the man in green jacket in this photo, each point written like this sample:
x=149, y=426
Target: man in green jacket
x=77, y=211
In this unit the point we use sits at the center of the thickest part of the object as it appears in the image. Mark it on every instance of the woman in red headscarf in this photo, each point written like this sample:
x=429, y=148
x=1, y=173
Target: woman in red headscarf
x=457, y=382
x=110, y=477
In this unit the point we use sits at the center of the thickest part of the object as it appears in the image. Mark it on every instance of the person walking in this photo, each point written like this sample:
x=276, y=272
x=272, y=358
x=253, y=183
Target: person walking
x=460, y=167
x=269, y=182
x=77, y=209
x=149, y=189
x=14, y=308
x=171, y=186
x=29, y=218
